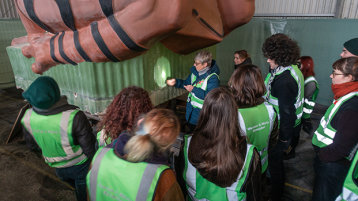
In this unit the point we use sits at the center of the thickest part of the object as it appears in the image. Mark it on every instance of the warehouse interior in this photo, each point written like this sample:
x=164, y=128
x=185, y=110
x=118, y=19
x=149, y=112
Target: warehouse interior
x=320, y=28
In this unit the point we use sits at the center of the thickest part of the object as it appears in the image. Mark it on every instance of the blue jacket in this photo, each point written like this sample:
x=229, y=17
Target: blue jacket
x=192, y=114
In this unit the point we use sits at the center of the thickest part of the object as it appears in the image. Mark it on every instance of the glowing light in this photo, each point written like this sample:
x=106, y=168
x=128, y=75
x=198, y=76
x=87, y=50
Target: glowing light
x=161, y=71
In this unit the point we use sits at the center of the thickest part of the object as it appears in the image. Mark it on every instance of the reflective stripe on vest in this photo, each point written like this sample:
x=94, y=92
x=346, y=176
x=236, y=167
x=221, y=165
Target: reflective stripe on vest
x=310, y=102
x=350, y=188
x=325, y=133
x=348, y=195
x=210, y=190
x=72, y=157
x=101, y=139
x=202, y=84
x=138, y=190
x=297, y=75
x=257, y=124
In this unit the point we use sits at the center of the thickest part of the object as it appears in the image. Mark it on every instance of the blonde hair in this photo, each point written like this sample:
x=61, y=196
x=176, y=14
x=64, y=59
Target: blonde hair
x=161, y=128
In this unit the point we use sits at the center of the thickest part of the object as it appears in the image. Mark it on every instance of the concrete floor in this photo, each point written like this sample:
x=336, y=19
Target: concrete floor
x=25, y=176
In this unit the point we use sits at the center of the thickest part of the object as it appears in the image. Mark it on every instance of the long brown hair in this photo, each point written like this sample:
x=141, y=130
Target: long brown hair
x=161, y=128
x=217, y=150
x=124, y=110
x=307, y=66
x=248, y=85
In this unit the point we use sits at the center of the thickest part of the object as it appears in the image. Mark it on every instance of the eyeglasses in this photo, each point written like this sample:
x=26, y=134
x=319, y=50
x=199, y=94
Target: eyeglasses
x=196, y=63
x=334, y=73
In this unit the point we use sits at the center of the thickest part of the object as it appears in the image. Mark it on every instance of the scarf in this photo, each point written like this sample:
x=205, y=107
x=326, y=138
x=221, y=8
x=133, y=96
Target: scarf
x=340, y=90
x=203, y=71
x=273, y=72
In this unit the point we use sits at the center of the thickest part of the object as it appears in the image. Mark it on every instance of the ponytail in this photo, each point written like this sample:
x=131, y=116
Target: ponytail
x=139, y=147
x=156, y=133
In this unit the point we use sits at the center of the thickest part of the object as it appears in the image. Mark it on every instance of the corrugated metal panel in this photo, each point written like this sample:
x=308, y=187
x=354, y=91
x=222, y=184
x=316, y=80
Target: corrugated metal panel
x=264, y=8
x=8, y=10
x=9, y=29
x=295, y=8
x=92, y=86
x=350, y=9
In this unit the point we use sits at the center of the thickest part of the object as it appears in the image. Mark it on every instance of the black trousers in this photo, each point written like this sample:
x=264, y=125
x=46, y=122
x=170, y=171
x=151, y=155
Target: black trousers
x=276, y=166
x=277, y=171
x=296, y=137
x=329, y=179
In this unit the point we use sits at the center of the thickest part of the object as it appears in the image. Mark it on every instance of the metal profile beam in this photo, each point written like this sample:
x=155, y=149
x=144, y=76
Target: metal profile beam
x=292, y=15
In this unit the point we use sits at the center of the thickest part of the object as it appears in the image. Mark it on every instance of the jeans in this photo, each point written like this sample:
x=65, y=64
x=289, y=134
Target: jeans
x=76, y=177
x=329, y=179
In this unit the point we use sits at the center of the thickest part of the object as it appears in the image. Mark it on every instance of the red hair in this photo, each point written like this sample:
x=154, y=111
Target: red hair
x=307, y=66
x=124, y=111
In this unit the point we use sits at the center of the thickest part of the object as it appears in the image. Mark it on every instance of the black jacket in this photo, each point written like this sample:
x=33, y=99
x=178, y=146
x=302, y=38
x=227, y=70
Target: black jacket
x=346, y=138
x=284, y=88
x=81, y=129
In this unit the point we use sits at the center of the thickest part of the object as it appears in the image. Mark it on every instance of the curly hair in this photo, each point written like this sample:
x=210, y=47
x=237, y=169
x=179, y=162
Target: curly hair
x=124, y=110
x=282, y=49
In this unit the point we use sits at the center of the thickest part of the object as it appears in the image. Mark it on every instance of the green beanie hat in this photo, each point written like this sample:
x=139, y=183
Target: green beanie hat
x=42, y=93
x=352, y=46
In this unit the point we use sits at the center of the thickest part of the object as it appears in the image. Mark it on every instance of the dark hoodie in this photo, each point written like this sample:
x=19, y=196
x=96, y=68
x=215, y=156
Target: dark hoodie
x=192, y=114
x=44, y=96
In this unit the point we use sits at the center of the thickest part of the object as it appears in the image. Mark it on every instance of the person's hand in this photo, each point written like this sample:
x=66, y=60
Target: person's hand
x=171, y=82
x=189, y=87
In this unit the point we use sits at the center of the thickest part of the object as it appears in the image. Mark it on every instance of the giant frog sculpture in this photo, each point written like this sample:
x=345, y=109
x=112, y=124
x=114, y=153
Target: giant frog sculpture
x=74, y=31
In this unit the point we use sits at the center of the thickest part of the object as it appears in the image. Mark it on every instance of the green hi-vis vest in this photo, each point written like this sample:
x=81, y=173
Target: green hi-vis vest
x=201, y=189
x=257, y=124
x=325, y=133
x=203, y=84
x=350, y=186
x=112, y=178
x=101, y=141
x=310, y=103
x=297, y=75
x=53, y=134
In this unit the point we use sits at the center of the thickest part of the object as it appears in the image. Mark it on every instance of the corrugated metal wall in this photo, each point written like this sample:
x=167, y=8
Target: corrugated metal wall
x=349, y=9
x=294, y=8
x=264, y=8
x=307, y=8
x=8, y=10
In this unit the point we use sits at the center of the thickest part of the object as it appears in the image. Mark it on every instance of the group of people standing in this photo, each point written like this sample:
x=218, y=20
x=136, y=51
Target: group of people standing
x=238, y=135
